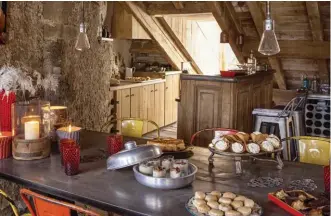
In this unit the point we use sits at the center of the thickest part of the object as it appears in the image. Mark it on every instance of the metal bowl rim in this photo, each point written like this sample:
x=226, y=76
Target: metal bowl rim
x=135, y=169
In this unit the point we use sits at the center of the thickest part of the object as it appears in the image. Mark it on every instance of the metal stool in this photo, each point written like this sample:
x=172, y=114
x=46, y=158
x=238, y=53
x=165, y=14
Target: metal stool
x=281, y=120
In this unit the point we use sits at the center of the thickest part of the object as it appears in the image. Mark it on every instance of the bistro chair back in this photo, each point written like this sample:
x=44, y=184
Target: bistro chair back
x=313, y=150
x=133, y=127
x=222, y=131
x=45, y=206
x=10, y=201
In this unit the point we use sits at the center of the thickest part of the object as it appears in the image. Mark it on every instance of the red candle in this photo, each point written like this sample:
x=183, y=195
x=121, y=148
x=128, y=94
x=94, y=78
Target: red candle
x=5, y=144
x=64, y=143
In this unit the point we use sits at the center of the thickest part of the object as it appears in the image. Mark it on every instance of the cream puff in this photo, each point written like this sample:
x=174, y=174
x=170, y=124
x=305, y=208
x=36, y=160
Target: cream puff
x=229, y=195
x=213, y=204
x=204, y=209
x=232, y=213
x=249, y=203
x=197, y=202
x=210, y=197
x=216, y=193
x=224, y=200
x=240, y=198
x=199, y=195
x=215, y=212
x=224, y=207
x=236, y=204
x=267, y=146
x=253, y=148
x=245, y=211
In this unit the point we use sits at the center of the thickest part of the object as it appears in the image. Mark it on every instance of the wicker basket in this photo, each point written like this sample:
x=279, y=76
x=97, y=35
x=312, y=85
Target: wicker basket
x=31, y=149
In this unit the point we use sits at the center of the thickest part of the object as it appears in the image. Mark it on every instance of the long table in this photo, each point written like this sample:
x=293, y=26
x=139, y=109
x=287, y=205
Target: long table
x=118, y=191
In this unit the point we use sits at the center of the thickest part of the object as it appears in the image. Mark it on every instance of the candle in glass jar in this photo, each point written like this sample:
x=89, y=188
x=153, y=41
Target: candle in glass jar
x=31, y=130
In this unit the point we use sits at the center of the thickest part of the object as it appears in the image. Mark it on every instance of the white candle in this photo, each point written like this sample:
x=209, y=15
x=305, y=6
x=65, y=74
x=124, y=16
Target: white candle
x=31, y=130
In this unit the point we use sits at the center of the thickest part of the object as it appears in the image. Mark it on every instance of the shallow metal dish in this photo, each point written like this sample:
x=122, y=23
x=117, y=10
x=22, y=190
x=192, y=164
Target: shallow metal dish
x=133, y=155
x=166, y=183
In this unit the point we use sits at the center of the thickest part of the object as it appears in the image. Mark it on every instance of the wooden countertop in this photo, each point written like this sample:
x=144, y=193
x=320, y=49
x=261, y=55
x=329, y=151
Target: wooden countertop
x=119, y=192
x=125, y=85
x=218, y=78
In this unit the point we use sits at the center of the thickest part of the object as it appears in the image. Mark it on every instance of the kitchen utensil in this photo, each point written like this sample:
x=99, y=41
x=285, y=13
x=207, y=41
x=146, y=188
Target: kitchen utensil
x=165, y=183
x=129, y=72
x=132, y=155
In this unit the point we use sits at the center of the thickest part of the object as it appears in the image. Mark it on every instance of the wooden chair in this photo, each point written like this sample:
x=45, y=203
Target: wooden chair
x=11, y=202
x=132, y=127
x=314, y=150
x=45, y=206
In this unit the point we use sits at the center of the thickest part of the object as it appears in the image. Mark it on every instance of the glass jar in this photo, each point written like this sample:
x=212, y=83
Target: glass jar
x=31, y=119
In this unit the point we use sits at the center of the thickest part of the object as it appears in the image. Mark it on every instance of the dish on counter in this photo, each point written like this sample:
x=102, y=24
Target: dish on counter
x=300, y=203
x=168, y=144
x=242, y=142
x=165, y=173
x=218, y=203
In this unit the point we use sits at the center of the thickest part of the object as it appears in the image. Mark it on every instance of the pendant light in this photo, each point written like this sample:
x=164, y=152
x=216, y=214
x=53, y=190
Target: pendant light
x=82, y=41
x=269, y=44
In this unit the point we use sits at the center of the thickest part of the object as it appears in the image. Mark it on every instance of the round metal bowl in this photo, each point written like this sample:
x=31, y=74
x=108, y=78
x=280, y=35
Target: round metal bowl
x=165, y=183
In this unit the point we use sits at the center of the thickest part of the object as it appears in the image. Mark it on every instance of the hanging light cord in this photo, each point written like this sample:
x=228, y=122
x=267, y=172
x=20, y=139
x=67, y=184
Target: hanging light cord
x=268, y=10
x=83, y=13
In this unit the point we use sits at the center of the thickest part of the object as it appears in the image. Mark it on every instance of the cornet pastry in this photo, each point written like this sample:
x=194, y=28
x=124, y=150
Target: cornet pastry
x=274, y=141
x=232, y=213
x=229, y=195
x=258, y=137
x=243, y=136
x=199, y=195
x=249, y=203
x=215, y=212
x=222, y=145
x=210, y=197
x=213, y=204
x=203, y=208
x=168, y=144
x=245, y=211
x=197, y=202
x=253, y=148
x=267, y=146
x=236, y=204
x=237, y=147
x=224, y=207
x=233, y=138
x=215, y=140
x=224, y=200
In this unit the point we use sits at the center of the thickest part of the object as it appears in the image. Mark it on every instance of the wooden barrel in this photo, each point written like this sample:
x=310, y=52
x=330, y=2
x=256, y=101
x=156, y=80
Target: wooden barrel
x=31, y=149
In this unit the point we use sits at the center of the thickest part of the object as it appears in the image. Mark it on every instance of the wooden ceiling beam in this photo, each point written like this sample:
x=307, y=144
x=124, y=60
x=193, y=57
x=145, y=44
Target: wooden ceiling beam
x=222, y=17
x=169, y=8
x=178, y=5
x=258, y=18
x=294, y=48
x=234, y=16
x=155, y=30
x=179, y=44
x=317, y=32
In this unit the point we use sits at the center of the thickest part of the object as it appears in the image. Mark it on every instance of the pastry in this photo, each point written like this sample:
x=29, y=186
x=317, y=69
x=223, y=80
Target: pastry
x=224, y=207
x=210, y=197
x=258, y=137
x=298, y=205
x=146, y=168
x=199, y=195
x=203, y=208
x=182, y=164
x=274, y=136
x=175, y=172
x=215, y=212
x=155, y=162
x=267, y=146
x=236, y=204
x=245, y=211
x=232, y=213
x=222, y=144
x=166, y=162
x=216, y=193
x=229, y=195
x=240, y=198
x=168, y=144
x=253, y=148
x=233, y=138
x=237, y=147
x=214, y=141
x=224, y=200
x=213, y=204
x=274, y=141
x=249, y=203
x=243, y=136
x=197, y=202
x=159, y=172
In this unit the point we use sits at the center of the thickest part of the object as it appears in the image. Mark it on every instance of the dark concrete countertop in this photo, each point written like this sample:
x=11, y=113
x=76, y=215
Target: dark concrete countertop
x=118, y=191
x=219, y=78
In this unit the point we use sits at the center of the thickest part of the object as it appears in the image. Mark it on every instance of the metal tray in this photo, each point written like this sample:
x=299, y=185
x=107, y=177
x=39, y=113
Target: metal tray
x=165, y=183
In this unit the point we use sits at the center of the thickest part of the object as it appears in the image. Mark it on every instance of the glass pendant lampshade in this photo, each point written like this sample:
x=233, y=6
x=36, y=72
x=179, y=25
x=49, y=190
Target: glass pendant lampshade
x=82, y=41
x=269, y=44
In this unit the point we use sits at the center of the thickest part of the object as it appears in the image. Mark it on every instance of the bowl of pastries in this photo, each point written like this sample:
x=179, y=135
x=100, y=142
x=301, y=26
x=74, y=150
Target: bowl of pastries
x=218, y=203
x=168, y=144
x=241, y=143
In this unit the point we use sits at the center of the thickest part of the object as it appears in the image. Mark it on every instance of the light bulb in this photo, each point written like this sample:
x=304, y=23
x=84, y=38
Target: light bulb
x=82, y=41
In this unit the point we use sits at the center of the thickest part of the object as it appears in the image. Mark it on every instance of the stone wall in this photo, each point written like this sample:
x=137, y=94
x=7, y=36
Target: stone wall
x=42, y=37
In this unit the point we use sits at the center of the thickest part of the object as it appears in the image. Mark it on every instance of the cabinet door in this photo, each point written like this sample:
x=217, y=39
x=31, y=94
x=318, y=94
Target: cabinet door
x=169, y=90
x=244, y=109
x=257, y=97
x=150, y=99
x=123, y=105
x=175, y=94
x=139, y=104
x=159, y=104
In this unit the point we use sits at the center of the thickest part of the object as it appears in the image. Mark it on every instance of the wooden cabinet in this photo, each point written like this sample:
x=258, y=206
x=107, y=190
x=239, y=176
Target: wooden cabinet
x=212, y=101
x=171, y=92
x=159, y=104
x=125, y=26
